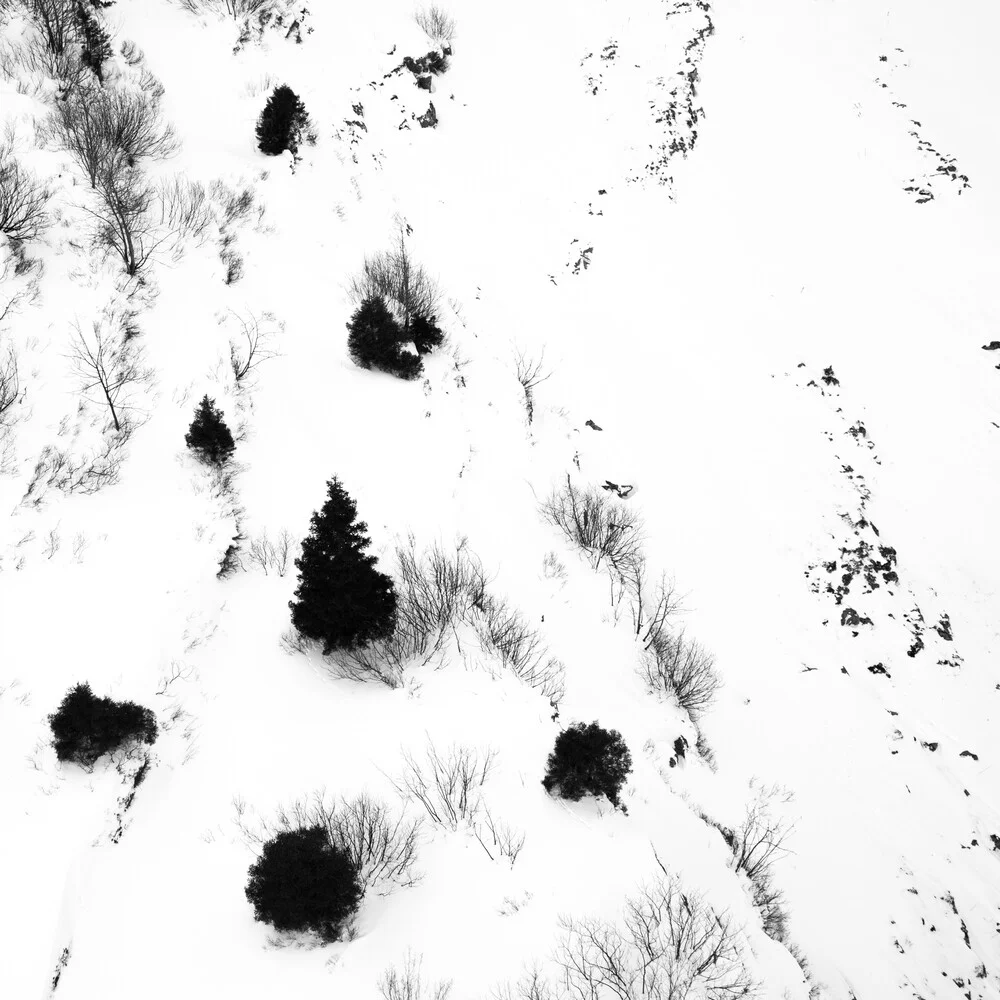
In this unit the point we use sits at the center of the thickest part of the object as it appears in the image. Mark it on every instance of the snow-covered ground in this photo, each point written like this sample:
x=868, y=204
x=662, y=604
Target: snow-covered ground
x=731, y=231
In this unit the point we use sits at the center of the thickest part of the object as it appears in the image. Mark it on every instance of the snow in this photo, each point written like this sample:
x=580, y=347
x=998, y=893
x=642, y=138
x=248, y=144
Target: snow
x=781, y=245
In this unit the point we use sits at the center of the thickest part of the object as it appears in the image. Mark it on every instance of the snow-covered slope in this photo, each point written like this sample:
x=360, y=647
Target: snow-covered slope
x=754, y=246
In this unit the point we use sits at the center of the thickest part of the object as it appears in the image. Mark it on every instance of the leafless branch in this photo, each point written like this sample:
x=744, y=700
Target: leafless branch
x=677, y=666
x=405, y=285
x=606, y=530
x=381, y=845
x=251, y=351
x=22, y=199
x=529, y=373
x=436, y=23
x=407, y=982
x=669, y=945
x=448, y=786
x=110, y=367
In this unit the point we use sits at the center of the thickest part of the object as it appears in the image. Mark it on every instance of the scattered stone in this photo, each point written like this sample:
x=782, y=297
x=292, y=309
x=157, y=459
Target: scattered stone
x=969, y=753
x=593, y=426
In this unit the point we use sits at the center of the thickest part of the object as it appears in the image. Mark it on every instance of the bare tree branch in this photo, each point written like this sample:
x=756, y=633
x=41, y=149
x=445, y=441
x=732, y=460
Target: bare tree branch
x=110, y=367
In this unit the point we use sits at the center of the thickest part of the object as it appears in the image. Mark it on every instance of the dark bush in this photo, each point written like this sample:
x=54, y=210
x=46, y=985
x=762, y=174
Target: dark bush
x=302, y=882
x=425, y=333
x=342, y=600
x=86, y=727
x=588, y=760
x=95, y=40
x=375, y=340
x=283, y=123
x=209, y=437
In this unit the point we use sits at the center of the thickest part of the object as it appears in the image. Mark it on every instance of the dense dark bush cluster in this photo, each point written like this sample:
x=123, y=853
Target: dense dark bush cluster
x=85, y=727
x=588, y=760
x=342, y=600
x=397, y=302
x=377, y=340
x=283, y=124
x=209, y=437
x=303, y=882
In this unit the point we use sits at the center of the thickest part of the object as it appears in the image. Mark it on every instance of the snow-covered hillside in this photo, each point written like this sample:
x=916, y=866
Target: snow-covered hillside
x=749, y=251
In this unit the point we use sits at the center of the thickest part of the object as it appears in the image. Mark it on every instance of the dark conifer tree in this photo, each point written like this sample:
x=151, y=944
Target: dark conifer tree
x=426, y=334
x=373, y=335
x=342, y=600
x=282, y=123
x=302, y=882
x=374, y=341
x=86, y=727
x=96, y=41
x=588, y=760
x=209, y=436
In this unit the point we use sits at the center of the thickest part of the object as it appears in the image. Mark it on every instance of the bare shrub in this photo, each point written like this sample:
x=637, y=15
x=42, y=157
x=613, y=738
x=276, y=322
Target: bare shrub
x=106, y=130
x=85, y=473
x=436, y=592
x=669, y=945
x=651, y=613
x=22, y=199
x=382, y=846
x=250, y=350
x=124, y=225
x=133, y=126
x=404, y=285
x=531, y=986
x=184, y=208
x=498, y=838
x=680, y=667
x=608, y=531
x=110, y=367
x=704, y=748
x=505, y=633
x=448, y=786
x=234, y=204
x=530, y=373
x=131, y=53
x=273, y=556
x=436, y=23
x=238, y=10
x=407, y=982
x=10, y=384
x=433, y=592
x=57, y=22
x=756, y=847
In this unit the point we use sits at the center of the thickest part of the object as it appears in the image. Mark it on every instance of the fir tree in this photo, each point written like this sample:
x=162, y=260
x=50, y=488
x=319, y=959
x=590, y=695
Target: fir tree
x=86, y=727
x=209, y=436
x=588, y=760
x=342, y=601
x=302, y=882
x=282, y=122
x=375, y=340
x=95, y=40
x=426, y=334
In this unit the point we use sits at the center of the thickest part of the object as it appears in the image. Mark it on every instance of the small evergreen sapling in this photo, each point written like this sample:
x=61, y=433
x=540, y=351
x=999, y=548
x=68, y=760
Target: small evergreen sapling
x=283, y=123
x=86, y=727
x=208, y=436
x=588, y=760
x=342, y=600
x=302, y=882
